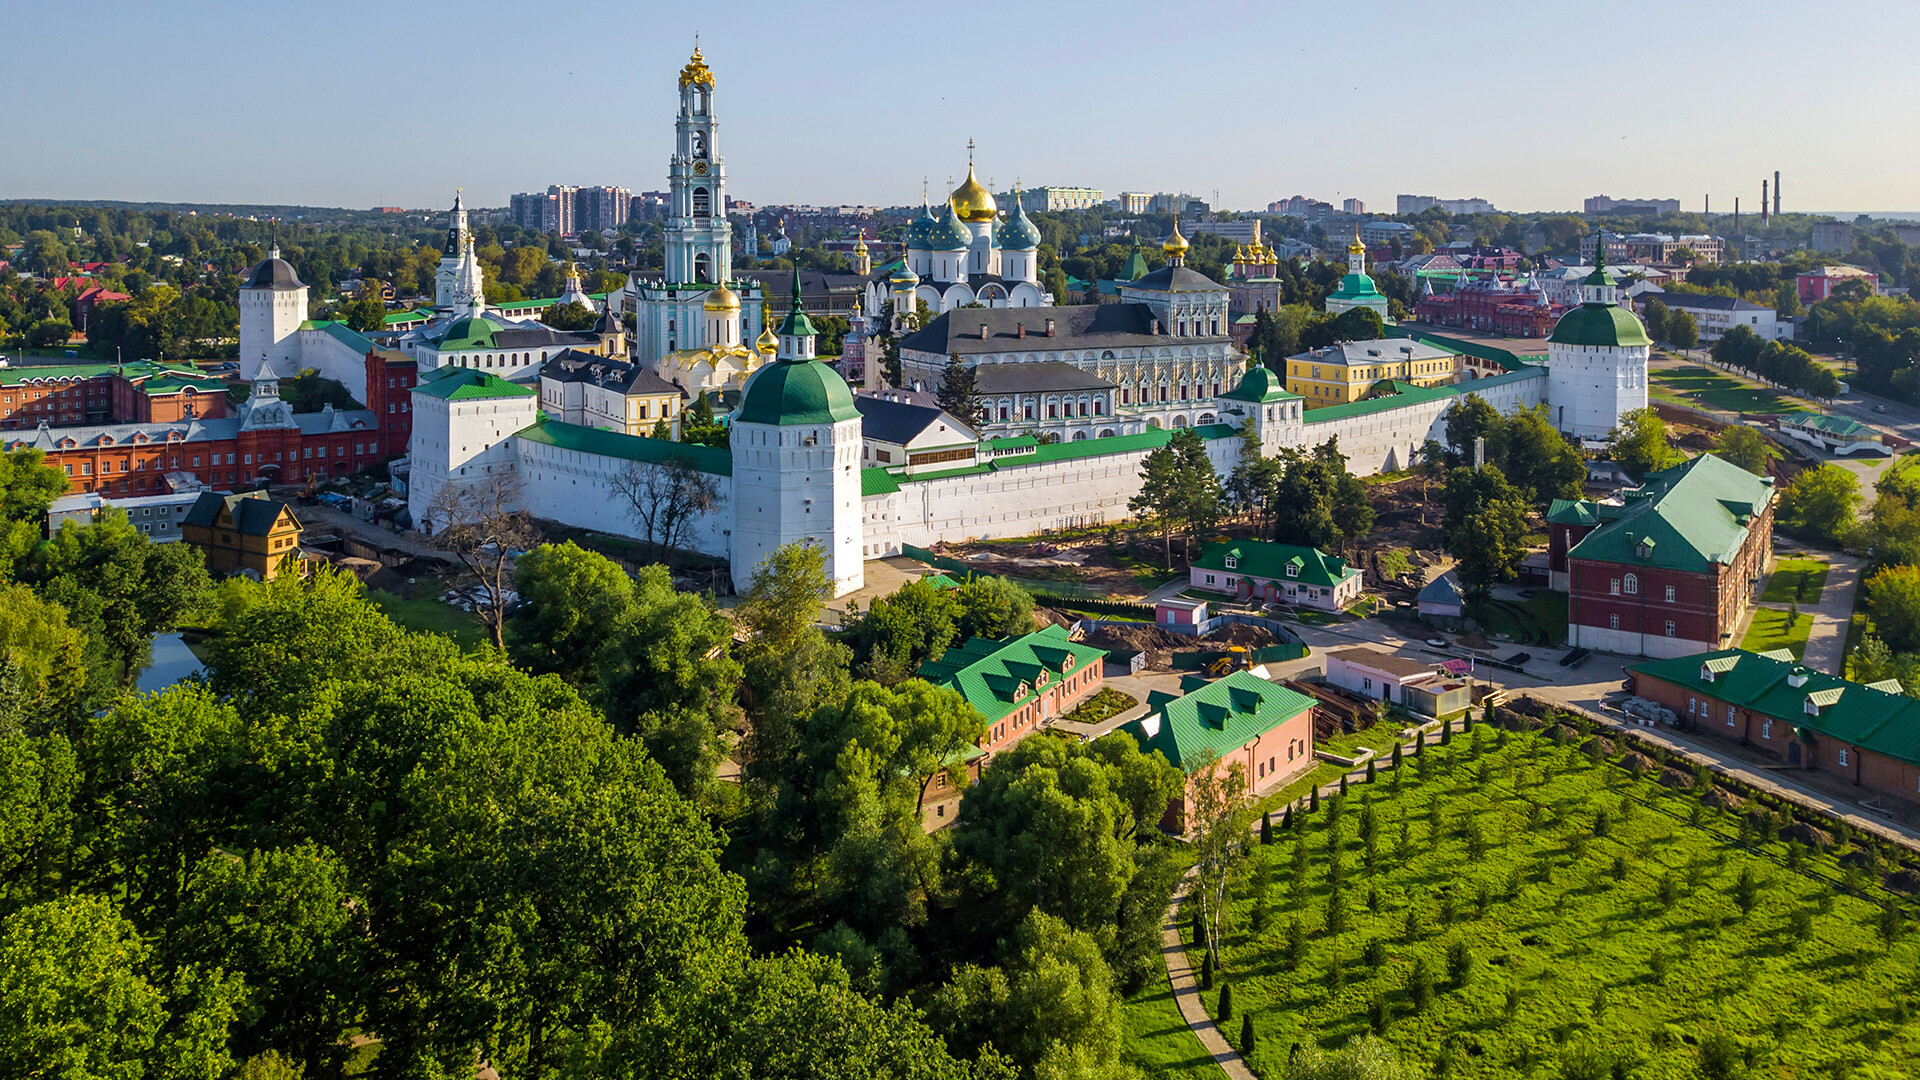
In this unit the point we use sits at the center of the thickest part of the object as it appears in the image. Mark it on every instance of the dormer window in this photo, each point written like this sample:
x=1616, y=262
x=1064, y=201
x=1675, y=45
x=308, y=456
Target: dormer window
x=1233, y=562
x=1293, y=570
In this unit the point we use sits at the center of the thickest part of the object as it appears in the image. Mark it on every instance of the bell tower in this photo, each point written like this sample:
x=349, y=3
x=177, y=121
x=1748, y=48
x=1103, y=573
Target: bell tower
x=699, y=240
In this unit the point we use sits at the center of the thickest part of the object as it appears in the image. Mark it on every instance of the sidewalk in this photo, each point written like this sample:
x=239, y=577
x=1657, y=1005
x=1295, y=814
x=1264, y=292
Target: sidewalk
x=1827, y=642
x=1184, y=978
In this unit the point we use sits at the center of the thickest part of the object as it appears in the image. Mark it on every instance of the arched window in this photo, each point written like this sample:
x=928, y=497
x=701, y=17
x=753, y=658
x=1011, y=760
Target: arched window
x=702, y=203
x=697, y=101
x=1631, y=584
x=703, y=267
x=699, y=145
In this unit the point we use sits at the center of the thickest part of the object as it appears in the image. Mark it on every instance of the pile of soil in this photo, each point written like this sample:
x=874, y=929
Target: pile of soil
x=1598, y=744
x=1904, y=881
x=1807, y=834
x=1157, y=644
x=1859, y=857
x=1721, y=799
x=1247, y=634
x=1637, y=763
x=1677, y=779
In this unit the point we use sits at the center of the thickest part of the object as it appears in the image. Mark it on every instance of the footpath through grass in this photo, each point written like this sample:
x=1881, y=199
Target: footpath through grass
x=1773, y=629
x=1513, y=905
x=1796, y=581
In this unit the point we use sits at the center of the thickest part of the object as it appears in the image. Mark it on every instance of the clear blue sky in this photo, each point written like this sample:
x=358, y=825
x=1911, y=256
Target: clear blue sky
x=1532, y=105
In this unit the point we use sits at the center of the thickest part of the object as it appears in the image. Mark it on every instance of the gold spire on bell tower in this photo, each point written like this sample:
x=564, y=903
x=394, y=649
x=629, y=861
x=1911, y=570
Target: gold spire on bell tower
x=696, y=70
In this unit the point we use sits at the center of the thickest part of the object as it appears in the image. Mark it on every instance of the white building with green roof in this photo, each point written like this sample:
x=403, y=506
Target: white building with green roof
x=796, y=460
x=1357, y=289
x=1596, y=361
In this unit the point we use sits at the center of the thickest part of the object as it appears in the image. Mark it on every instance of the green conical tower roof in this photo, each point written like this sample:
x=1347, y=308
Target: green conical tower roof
x=796, y=323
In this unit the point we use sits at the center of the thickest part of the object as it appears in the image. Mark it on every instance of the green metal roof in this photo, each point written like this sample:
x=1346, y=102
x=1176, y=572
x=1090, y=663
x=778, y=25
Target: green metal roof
x=1220, y=717
x=1831, y=425
x=471, y=332
x=1264, y=560
x=1600, y=325
x=713, y=460
x=790, y=392
x=997, y=677
x=1692, y=517
x=1573, y=512
x=466, y=384
x=1260, y=384
x=877, y=482
x=1356, y=287
x=413, y=316
x=1881, y=720
x=1404, y=394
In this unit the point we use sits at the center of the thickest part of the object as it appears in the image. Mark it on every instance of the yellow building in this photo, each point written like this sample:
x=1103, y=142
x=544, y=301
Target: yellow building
x=246, y=533
x=1348, y=371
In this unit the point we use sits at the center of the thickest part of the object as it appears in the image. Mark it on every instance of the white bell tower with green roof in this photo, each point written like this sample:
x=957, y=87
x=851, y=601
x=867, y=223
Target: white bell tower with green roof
x=796, y=461
x=1596, y=360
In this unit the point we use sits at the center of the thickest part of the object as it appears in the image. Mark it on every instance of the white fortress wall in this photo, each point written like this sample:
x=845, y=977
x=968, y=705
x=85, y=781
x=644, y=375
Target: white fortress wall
x=576, y=488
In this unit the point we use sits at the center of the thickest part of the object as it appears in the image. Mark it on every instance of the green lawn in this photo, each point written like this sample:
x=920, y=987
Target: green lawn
x=1770, y=630
x=1702, y=386
x=1621, y=938
x=432, y=616
x=1796, y=580
x=1158, y=1042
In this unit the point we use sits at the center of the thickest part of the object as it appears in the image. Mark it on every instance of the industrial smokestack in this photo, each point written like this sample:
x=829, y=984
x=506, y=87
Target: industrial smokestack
x=1736, y=215
x=1776, y=191
x=1706, y=208
x=1763, y=202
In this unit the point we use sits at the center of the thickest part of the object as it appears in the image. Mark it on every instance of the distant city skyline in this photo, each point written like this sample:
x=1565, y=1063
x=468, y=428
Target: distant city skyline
x=1535, y=108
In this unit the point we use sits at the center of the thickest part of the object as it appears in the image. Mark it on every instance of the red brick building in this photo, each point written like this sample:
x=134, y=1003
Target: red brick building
x=140, y=392
x=265, y=441
x=1866, y=734
x=391, y=376
x=1491, y=306
x=1672, y=570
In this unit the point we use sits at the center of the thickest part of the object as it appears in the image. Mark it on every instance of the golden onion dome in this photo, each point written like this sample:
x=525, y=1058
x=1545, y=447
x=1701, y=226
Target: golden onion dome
x=860, y=245
x=723, y=299
x=696, y=71
x=1356, y=248
x=766, y=342
x=1176, y=244
x=973, y=202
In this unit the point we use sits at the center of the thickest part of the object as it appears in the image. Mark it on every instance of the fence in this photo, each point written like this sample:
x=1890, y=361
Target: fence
x=1193, y=661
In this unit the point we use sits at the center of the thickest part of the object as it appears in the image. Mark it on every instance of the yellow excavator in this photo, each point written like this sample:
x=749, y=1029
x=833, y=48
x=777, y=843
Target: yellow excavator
x=1235, y=660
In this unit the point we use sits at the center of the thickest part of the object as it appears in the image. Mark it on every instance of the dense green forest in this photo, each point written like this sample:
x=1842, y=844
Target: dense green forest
x=353, y=849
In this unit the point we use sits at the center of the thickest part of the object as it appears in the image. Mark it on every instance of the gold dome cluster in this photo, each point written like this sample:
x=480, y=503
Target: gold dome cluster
x=973, y=202
x=696, y=71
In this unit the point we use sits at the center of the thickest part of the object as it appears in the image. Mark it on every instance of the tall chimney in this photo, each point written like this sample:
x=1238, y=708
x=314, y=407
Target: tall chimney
x=1776, y=192
x=1707, y=205
x=1763, y=202
x=1736, y=215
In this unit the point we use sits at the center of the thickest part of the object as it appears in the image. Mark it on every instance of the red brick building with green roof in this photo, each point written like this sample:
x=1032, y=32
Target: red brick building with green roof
x=1020, y=683
x=1673, y=570
x=1242, y=719
x=1867, y=734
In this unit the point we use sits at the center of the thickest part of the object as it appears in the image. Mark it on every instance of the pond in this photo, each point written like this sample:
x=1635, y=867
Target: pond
x=172, y=662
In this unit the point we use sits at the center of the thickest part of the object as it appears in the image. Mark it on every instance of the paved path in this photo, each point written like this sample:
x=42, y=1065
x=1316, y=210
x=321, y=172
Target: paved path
x=1185, y=980
x=1827, y=644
